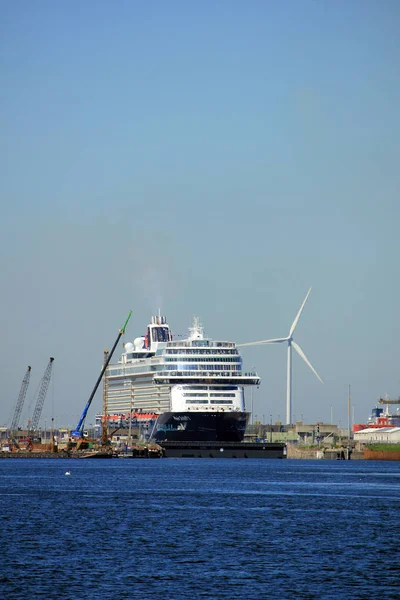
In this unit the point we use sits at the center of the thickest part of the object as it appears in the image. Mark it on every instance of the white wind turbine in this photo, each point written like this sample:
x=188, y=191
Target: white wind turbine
x=291, y=343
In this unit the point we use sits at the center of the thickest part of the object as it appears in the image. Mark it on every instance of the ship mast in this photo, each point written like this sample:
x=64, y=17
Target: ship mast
x=196, y=330
x=104, y=423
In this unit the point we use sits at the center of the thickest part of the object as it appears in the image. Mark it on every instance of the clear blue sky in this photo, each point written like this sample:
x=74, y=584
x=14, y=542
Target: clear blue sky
x=210, y=159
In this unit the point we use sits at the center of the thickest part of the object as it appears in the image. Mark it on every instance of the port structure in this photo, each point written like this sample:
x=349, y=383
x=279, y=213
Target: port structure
x=78, y=431
x=104, y=425
x=44, y=386
x=388, y=401
x=20, y=403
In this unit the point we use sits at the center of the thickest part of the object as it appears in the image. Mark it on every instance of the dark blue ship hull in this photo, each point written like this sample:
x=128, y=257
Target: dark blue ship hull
x=223, y=426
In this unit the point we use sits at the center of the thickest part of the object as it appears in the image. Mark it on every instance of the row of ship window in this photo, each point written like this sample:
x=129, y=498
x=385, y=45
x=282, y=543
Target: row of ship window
x=233, y=365
x=205, y=395
x=211, y=401
x=136, y=369
x=216, y=367
x=232, y=371
x=197, y=352
x=119, y=372
x=217, y=388
x=202, y=344
x=218, y=359
x=196, y=374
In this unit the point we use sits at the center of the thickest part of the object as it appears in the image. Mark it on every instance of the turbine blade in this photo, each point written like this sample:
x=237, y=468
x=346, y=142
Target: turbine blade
x=304, y=357
x=294, y=324
x=274, y=341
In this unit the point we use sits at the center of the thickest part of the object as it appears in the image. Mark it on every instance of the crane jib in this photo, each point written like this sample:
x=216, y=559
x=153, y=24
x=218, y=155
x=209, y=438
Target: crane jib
x=41, y=396
x=78, y=431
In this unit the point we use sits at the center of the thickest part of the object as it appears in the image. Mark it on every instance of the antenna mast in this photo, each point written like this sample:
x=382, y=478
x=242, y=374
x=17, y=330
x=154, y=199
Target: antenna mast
x=349, y=420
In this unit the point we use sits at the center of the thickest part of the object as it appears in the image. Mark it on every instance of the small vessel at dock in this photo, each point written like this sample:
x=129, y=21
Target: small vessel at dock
x=381, y=417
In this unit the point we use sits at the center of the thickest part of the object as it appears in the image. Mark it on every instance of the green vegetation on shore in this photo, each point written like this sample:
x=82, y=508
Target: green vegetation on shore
x=384, y=447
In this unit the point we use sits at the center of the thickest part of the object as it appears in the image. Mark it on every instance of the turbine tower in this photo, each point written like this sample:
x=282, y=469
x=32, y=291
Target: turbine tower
x=291, y=343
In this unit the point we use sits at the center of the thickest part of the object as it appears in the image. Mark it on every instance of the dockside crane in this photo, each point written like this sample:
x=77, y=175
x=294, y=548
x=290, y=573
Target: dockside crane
x=78, y=431
x=388, y=401
x=44, y=384
x=20, y=403
x=104, y=421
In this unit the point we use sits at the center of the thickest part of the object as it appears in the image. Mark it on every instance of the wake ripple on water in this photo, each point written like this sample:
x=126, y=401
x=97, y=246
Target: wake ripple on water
x=188, y=529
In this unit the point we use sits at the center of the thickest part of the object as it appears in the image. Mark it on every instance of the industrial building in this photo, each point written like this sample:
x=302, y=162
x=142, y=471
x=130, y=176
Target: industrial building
x=383, y=435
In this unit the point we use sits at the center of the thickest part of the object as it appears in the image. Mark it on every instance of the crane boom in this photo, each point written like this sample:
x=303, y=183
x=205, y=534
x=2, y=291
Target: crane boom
x=78, y=431
x=387, y=401
x=44, y=384
x=20, y=402
x=104, y=424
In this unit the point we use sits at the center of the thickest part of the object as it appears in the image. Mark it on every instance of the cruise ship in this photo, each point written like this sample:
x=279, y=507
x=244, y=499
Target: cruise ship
x=187, y=390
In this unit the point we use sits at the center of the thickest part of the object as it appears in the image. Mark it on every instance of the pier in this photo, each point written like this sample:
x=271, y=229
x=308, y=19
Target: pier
x=223, y=450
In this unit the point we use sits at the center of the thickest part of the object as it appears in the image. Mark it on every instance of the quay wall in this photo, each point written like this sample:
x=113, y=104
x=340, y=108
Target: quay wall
x=301, y=453
x=296, y=452
x=34, y=455
x=381, y=455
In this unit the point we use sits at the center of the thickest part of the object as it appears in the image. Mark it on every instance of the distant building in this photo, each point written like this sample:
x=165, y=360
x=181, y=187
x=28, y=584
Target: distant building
x=388, y=435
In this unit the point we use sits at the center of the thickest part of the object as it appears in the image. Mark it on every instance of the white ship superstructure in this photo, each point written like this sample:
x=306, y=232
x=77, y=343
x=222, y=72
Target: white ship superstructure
x=158, y=375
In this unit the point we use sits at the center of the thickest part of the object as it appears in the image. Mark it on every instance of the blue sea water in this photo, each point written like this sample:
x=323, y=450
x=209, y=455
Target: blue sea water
x=199, y=528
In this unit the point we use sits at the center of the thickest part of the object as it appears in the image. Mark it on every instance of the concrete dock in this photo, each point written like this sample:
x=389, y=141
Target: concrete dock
x=223, y=450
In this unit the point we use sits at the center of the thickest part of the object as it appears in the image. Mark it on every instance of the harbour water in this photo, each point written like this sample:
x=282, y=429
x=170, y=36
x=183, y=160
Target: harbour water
x=199, y=528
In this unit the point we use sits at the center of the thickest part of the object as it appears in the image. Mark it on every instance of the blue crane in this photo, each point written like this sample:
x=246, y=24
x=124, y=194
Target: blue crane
x=78, y=431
